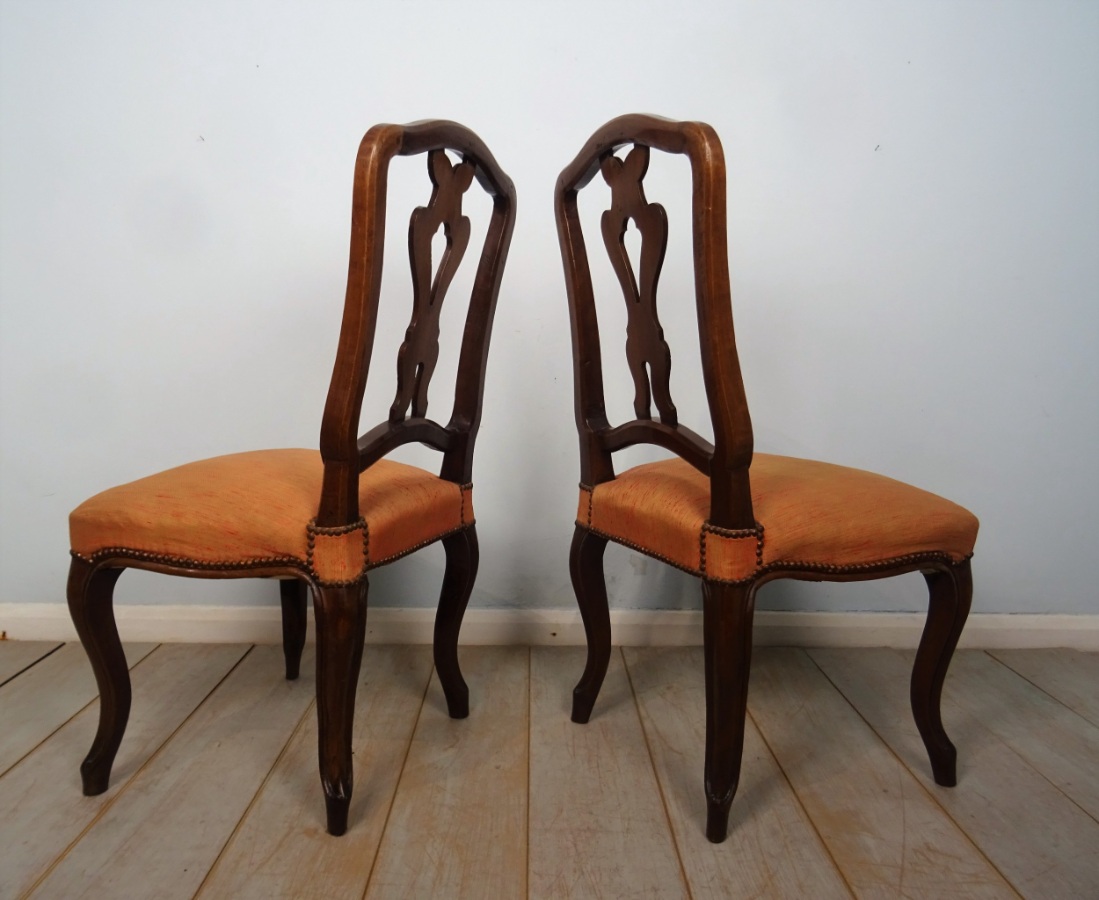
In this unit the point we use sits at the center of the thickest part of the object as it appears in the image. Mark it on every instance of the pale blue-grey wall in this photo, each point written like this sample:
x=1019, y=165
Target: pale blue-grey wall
x=914, y=230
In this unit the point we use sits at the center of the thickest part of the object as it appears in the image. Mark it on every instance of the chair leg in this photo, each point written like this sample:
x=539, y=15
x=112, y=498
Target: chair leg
x=727, y=611
x=295, y=611
x=951, y=593
x=586, y=568
x=341, y=630
x=90, y=595
x=462, y=556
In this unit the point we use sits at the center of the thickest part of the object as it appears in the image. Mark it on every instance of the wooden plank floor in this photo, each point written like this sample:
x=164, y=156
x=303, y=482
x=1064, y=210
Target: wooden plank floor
x=215, y=792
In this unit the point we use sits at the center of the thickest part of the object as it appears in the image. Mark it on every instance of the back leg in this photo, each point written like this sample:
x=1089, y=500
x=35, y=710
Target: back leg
x=951, y=593
x=90, y=595
x=586, y=568
x=462, y=556
x=295, y=612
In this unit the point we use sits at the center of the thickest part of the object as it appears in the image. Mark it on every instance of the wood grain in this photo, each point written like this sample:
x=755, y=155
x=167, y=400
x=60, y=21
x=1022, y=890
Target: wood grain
x=597, y=825
x=44, y=809
x=42, y=699
x=280, y=847
x=772, y=849
x=1069, y=676
x=458, y=827
x=162, y=835
x=1058, y=742
x=885, y=832
x=15, y=656
x=997, y=790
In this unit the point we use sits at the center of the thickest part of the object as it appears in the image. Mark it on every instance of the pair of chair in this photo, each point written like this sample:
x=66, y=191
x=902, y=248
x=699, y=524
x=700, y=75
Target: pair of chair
x=322, y=521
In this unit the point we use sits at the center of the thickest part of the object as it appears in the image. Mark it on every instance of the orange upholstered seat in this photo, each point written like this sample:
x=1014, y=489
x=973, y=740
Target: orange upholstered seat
x=257, y=508
x=811, y=515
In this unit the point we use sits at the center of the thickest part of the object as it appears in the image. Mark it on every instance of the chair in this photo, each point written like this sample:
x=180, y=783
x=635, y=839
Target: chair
x=322, y=521
x=734, y=519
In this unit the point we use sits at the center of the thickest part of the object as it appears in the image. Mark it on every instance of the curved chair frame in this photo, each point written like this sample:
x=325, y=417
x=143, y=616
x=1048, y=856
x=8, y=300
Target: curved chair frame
x=340, y=607
x=727, y=607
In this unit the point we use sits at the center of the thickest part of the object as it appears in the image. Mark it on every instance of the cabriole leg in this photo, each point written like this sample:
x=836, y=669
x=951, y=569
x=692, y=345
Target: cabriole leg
x=951, y=593
x=295, y=611
x=727, y=611
x=90, y=595
x=586, y=568
x=462, y=556
x=341, y=630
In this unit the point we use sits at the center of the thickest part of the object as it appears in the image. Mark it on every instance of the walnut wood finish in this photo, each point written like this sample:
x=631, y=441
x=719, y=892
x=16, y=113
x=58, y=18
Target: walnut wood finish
x=295, y=617
x=727, y=608
x=340, y=609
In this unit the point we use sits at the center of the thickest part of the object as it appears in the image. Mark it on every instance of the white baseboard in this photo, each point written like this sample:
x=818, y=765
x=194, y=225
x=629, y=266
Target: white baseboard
x=261, y=625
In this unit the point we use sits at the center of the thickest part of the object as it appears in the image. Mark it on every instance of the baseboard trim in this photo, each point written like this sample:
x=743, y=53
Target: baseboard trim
x=262, y=625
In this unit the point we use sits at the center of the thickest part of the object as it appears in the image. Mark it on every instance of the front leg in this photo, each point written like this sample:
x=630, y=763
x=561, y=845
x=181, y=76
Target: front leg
x=341, y=630
x=462, y=555
x=951, y=594
x=727, y=611
x=90, y=595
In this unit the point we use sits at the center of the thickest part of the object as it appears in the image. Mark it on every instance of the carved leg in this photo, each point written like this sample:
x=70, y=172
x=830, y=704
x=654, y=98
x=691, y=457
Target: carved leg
x=462, y=556
x=951, y=595
x=727, y=633
x=586, y=568
x=90, y=594
x=341, y=629
x=295, y=610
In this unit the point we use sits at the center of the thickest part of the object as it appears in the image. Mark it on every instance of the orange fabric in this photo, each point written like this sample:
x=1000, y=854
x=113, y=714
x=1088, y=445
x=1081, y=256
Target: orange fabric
x=257, y=506
x=811, y=513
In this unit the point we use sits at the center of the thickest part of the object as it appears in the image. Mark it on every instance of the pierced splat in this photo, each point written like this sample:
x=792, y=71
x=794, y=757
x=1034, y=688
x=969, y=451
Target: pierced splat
x=645, y=344
x=420, y=351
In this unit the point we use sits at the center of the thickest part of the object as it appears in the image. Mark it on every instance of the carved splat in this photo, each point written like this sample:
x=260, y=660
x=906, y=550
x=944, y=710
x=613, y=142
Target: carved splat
x=420, y=351
x=645, y=344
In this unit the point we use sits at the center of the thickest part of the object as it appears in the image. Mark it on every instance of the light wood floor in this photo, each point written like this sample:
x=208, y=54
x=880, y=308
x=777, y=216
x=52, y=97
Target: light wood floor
x=215, y=791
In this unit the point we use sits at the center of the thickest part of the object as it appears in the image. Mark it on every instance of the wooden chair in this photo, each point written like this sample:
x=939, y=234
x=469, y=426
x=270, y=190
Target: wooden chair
x=322, y=521
x=715, y=510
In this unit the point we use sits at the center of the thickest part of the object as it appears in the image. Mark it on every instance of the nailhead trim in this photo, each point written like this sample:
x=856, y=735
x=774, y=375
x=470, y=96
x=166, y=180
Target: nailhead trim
x=790, y=565
x=734, y=533
x=184, y=562
x=313, y=529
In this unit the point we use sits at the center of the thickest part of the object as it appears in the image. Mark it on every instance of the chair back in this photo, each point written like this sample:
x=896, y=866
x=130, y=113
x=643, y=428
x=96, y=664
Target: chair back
x=344, y=451
x=728, y=459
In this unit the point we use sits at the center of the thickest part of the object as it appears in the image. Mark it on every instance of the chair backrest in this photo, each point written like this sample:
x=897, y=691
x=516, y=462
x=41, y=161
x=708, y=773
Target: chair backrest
x=727, y=461
x=344, y=452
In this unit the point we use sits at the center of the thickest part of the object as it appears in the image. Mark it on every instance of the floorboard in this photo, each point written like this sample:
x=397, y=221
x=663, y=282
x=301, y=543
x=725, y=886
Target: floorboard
x=597, y=823
x=1068, y=676
x=772, y=849
x=15, y=656
x=886, y=834
x=996, y=788
x=44, y=808
x=1056, y=741
x=215, y=790
x=48, y=694
x=281, y=848
x=458, y=827
x=163, y=834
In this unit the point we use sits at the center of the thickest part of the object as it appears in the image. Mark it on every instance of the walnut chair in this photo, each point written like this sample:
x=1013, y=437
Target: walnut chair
x=322, y=521
x=734, y=519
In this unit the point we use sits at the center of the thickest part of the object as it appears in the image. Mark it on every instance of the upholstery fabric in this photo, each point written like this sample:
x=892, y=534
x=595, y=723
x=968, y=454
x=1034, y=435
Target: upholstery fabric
x=809, y=514
x=248, y=509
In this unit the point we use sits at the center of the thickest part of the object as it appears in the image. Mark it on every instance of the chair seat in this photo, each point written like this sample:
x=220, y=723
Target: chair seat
x=250, y=510
x=810, y=515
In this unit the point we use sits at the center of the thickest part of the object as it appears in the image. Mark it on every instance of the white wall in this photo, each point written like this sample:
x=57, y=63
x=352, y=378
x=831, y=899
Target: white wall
x=914, y=229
